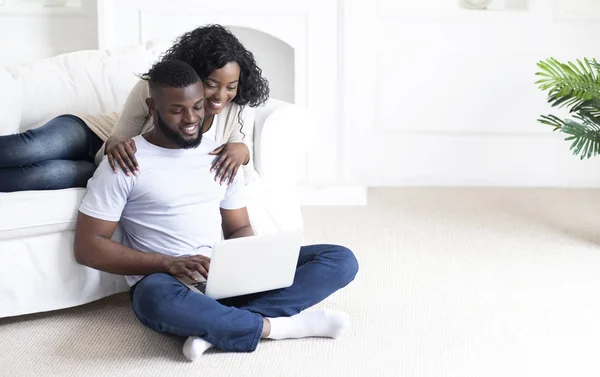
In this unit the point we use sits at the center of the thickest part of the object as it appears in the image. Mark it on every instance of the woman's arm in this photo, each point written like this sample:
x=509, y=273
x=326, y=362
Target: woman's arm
x=119, y=147
x=236, y=151
x=135, y=112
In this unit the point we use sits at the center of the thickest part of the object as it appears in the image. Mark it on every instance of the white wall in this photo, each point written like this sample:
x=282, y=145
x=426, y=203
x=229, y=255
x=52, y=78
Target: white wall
x=447, y=95
x=28, y=33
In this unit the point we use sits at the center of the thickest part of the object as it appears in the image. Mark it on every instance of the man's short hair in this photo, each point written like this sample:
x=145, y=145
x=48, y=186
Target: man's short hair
x=171, y=74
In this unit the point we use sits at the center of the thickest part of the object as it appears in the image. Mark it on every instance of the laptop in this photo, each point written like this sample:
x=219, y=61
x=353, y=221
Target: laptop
x=246, y=265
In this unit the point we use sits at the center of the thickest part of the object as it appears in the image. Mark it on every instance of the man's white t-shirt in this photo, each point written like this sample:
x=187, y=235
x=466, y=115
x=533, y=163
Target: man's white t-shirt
x=212, y=131
x=171, y=207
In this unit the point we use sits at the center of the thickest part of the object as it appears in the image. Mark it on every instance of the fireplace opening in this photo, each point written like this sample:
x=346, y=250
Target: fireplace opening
x=274, y=57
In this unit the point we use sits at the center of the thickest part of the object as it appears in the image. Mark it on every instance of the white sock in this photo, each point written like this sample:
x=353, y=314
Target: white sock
x=314, y=323
x=194, y=347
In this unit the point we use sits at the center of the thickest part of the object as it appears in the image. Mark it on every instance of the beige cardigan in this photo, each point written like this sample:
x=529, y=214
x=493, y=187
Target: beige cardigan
x=134, y=121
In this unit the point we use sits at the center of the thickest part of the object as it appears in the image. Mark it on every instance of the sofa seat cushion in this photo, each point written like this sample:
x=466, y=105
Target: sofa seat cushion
x=32, y=213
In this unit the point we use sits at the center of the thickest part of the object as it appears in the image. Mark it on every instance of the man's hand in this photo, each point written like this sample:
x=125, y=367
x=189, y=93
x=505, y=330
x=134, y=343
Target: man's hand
x=185, y=266
x=122, y=149
x=231, y=156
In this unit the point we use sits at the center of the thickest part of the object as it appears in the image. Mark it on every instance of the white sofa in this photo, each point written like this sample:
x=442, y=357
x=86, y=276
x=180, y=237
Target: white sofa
x=38, y=271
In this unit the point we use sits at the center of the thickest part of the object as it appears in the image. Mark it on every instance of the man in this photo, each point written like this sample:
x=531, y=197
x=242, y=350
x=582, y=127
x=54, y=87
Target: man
x=172, y=212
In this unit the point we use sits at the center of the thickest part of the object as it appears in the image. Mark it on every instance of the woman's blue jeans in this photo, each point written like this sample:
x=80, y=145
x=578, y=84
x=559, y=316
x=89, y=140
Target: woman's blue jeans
x=164, y=304
x=58, y=155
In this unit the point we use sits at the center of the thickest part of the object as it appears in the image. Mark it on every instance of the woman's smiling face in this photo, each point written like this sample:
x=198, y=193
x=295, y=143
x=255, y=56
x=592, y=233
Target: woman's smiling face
x=221, y=87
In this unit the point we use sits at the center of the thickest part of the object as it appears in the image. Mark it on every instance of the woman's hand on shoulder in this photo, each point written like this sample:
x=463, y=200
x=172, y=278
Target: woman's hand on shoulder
x=121, y=150
x=231, y=156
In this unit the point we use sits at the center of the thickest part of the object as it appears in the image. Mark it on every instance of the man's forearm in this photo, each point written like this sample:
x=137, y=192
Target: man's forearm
x=242, y=232
x=109, y=256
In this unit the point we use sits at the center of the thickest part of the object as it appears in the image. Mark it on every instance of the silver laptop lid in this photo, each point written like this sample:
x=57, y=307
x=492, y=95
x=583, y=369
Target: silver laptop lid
x=253, y=264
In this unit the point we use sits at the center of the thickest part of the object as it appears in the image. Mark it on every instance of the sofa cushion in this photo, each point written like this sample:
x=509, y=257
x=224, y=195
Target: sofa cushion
x=10, y=103
x=32, y=213
x=91, y=82
x=58, y=85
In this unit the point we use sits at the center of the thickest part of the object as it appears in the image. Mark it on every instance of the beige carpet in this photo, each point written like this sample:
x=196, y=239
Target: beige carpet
x=453, y=282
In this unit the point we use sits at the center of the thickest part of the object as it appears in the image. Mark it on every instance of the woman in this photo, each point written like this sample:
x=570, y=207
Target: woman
x=232, y=82
x=61, y=153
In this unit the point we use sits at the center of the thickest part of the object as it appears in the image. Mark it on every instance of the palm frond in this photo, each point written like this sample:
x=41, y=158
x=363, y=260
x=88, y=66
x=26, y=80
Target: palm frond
x=585, y=138
x=576, y=86
x=552, y=120
x=569, y=84
x=589, y=108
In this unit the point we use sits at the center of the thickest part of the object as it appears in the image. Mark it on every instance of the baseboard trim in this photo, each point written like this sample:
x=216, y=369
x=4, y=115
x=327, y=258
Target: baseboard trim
x=333, y=196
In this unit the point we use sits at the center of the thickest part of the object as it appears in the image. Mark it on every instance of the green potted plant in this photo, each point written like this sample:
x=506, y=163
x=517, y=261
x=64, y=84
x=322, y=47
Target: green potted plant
x=575, y=86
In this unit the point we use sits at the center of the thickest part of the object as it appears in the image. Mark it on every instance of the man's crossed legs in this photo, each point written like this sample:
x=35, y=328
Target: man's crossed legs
x=164, y=304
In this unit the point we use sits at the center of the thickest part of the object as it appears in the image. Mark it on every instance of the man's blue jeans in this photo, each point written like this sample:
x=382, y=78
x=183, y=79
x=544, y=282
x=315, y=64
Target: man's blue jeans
x=58, y=155
x=164, y=304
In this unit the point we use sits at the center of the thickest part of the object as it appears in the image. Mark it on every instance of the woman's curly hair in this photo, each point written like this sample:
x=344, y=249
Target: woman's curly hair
x=210, y=47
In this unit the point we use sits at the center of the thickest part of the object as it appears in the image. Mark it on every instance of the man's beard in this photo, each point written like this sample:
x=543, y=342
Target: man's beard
x=176, y=137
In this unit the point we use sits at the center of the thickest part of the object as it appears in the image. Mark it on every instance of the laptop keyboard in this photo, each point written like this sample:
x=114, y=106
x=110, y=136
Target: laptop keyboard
x=201, y=286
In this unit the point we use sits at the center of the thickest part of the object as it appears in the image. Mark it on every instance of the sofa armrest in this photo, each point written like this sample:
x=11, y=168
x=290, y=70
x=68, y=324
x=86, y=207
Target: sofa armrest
x=281, y=132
